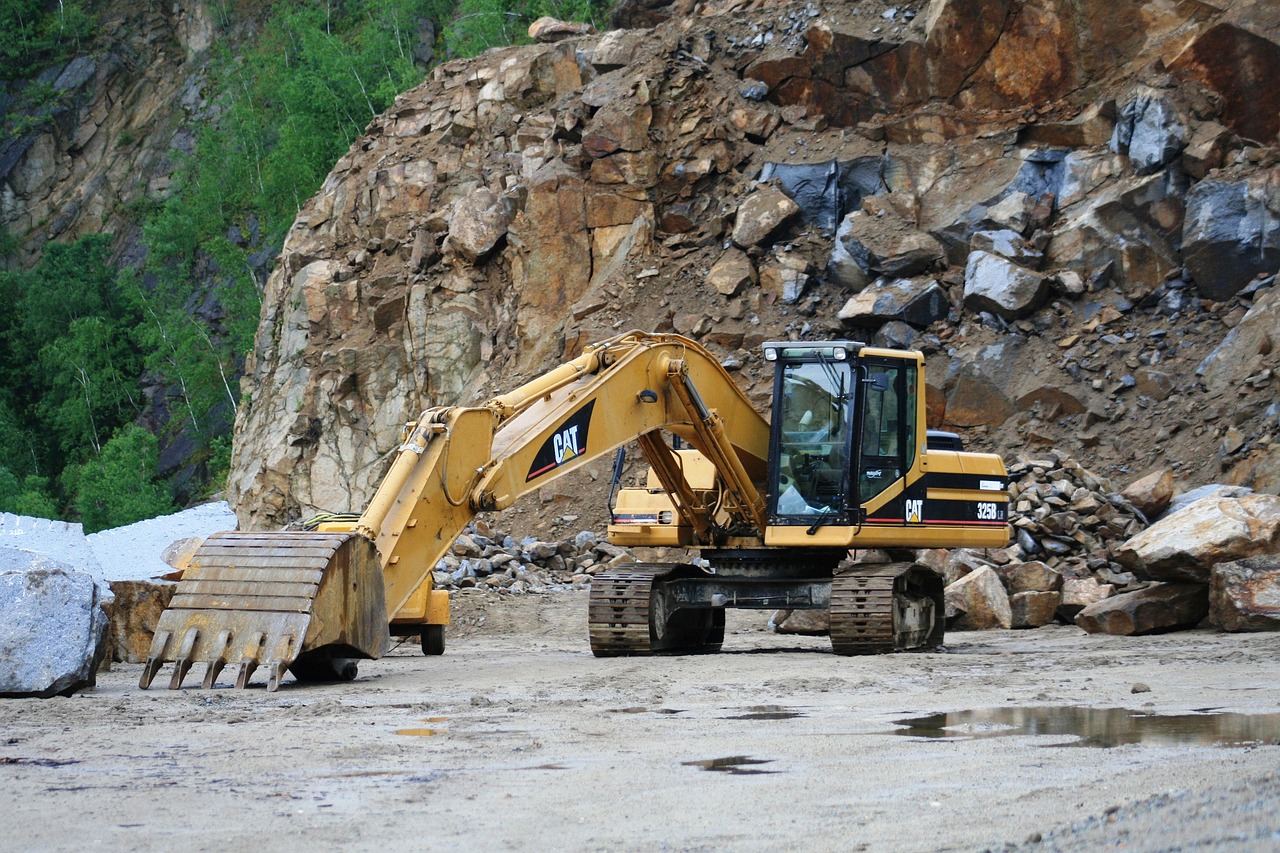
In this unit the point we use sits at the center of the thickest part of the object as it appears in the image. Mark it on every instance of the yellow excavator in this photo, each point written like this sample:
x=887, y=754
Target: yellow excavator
x=772, y=512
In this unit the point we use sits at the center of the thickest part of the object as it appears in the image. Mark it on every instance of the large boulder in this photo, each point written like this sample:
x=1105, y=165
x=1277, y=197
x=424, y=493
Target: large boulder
x=1185, y=545
x=1033, y=609
x=978, y=385
x=918, y=302
x=52, y=626
x=761, y=214
x=998, y=285
x=1231, y=232
x=886, y=244
x=1150, y=131
x=1244, y=595
x=1241, y=68
x=1157, y=608
x=977, y=602
x=1133, y=224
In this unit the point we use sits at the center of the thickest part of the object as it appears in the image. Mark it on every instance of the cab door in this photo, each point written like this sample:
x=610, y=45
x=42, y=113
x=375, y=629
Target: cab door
x=886, y=447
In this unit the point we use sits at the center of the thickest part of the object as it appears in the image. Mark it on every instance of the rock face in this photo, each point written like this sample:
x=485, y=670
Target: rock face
x=1187, y=544
x=1158, y=608
x=1244, y=595
x=52, y=627
x=520, y=204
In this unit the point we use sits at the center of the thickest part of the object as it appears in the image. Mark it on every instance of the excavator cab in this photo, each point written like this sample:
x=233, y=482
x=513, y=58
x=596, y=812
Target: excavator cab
x=844, y=432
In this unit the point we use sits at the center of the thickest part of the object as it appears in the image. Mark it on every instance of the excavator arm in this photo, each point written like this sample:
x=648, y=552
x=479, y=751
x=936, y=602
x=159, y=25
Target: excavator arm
x=310, y=602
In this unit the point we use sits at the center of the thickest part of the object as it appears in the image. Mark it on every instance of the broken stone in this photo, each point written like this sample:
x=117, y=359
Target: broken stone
x=888, y=245
x=761, y=214
x=977, y=602
x=52, y=626
x=918, y=302
x=996, y=284
x=1186, y=544
x=732, y=272
x=1206, y=149
x=1007, y=244
x=133, y=614
x=1151, y=494
x=1244, y=595
x=1231, y=233
x=1155, y=609
x=1033, y=576
x=1079, y=593
x=1013, y=212
x=479, y=221
x=1033, y=609
x=1252, y=340
x=547, y=29
x=786, y=278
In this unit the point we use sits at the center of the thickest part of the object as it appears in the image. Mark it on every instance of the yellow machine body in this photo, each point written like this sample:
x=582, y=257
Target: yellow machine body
x=312, y=602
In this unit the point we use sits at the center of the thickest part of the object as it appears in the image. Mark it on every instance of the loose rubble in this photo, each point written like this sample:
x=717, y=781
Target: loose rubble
x=488, y=558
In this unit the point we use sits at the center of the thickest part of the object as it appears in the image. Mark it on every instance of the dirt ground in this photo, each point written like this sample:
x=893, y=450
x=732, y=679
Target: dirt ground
x=518, y=739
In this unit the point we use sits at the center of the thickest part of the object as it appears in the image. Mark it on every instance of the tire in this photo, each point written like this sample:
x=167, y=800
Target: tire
x=432, y=640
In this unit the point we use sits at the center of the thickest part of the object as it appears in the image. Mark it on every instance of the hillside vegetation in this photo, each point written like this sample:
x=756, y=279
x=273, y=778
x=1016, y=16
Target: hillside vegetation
x=108, y=364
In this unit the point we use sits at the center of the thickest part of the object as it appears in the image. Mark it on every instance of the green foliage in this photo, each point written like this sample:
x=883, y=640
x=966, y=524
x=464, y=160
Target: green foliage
x=77, y=336
x=69, y=361
x=34, y=33
x=118, y=486
x=28, y=496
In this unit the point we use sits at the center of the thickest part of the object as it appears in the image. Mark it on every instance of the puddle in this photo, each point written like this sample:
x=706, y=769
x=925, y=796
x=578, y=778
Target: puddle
x=642, y=710
x=1099, y=727
x=739, y=765
x=420, y=732
x=766, y=712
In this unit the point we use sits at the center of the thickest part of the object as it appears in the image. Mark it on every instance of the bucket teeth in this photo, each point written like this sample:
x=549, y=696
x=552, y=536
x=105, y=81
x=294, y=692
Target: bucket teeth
x=182, y=663
x=264, y=599
x=218, y=659
x=246, y=669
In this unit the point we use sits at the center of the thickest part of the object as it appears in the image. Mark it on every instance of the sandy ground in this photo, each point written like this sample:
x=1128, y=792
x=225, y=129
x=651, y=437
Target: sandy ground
x=518, y=739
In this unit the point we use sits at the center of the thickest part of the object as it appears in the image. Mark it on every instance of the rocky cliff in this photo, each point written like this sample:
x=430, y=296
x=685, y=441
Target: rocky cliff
x=107, y=140
x=1072, y=206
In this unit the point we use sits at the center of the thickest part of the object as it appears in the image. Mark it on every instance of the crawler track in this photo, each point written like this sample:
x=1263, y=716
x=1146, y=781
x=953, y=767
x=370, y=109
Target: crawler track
x=885, y=609
x=632, y=613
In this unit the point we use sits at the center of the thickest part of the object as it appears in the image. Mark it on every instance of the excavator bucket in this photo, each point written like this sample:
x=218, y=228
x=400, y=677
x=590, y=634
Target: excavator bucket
x=306, y=602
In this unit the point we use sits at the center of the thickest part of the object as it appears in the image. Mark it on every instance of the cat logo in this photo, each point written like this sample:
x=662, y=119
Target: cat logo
x=915, y=511
x=567, y=443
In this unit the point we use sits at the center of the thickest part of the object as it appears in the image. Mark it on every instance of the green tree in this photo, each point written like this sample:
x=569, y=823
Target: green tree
x=28, y=496
x=118, y=486
x=34, y=34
